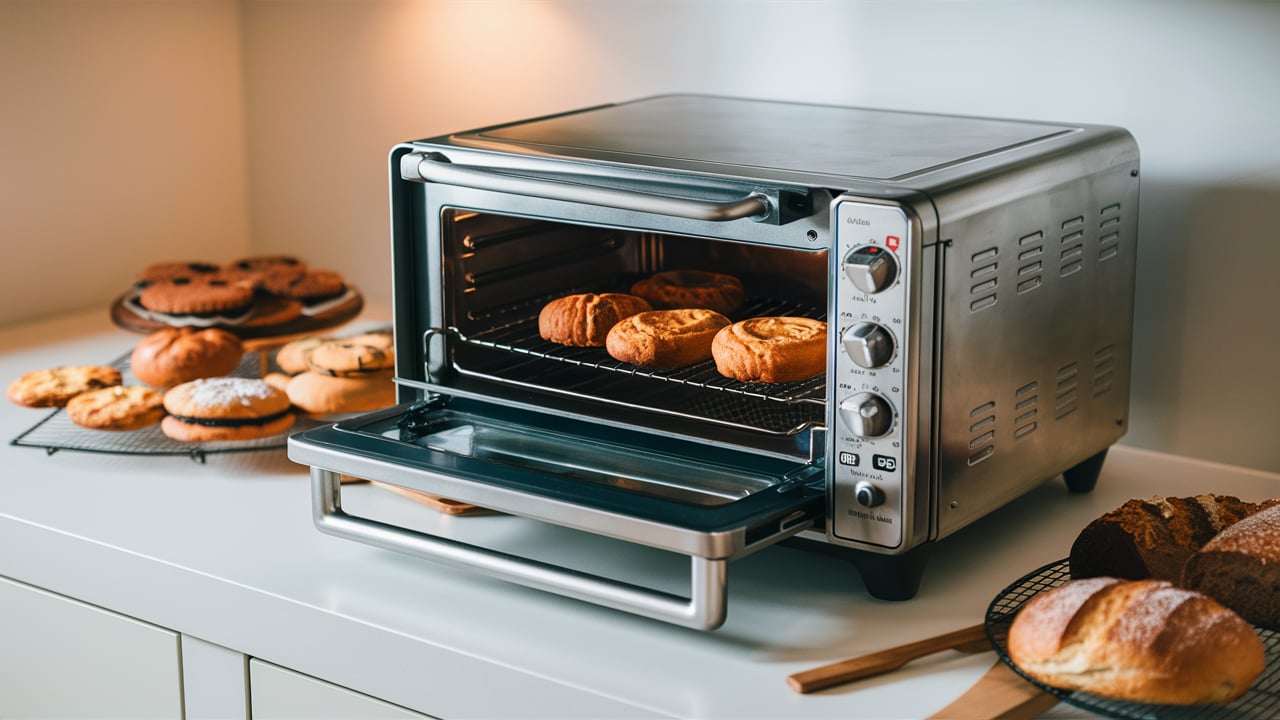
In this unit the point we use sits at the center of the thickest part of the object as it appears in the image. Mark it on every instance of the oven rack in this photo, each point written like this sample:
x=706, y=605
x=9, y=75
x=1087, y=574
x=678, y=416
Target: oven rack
x=521, y=337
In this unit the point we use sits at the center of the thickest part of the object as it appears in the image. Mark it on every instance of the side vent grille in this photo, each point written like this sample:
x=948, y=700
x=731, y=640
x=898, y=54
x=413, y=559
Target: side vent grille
x=1109, y=232
x=1025, y=400
x=1065, y=396
x=982, y=432
x=1071, y=251
x=982, y=291
x=1030, y=262
x=1104, y=366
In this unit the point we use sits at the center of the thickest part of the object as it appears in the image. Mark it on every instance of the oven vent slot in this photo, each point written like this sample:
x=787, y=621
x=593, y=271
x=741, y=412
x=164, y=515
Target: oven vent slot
x=1065, y=395
x=1030, y=262
x=1104, y=365
x=983, y=279
x=1025, y=401
x=1109, y=232
x=982, y=432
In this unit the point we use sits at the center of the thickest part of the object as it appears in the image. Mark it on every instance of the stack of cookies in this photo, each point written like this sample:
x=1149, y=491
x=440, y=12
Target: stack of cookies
x=326, y=376
x=257, y=290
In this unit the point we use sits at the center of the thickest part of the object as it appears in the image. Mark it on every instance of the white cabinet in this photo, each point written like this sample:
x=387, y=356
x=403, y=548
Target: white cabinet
x=280, y=694
x=60, y=658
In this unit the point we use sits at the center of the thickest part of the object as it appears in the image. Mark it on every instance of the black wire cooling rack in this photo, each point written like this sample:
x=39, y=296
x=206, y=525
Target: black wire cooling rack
x=1260, y=702
x=56, y=431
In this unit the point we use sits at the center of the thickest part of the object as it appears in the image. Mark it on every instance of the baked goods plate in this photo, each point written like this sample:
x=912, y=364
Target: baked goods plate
x=1261, y=701
x=269, y=317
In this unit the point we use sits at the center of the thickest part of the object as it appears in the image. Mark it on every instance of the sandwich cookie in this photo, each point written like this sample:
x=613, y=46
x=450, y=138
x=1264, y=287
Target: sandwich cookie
x=225, y=408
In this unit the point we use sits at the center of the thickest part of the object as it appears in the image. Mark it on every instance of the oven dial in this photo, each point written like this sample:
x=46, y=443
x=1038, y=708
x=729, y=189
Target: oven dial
x=867, y=495
x=871, y=268
x=869, y=345
x=867, y=415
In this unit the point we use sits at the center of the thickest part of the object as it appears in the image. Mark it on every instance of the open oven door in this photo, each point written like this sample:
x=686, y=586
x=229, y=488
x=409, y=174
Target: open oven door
x=707, y=503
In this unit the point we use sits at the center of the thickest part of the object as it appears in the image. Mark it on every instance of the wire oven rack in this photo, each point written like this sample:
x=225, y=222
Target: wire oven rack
x=521, y=357
x=55, y=431
x=1259, y=702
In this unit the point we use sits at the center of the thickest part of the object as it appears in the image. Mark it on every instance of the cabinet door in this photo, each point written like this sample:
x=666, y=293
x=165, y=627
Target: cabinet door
x=60, y=658
x=280, y=694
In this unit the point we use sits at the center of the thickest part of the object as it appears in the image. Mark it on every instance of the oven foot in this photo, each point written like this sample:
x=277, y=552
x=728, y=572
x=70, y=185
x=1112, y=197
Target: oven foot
x=892, y=577
x=1083, y=477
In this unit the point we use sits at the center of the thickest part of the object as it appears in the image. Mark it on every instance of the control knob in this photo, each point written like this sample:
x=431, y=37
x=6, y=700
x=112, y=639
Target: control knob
x=867, y=495
x=871, y=268
x=867, y=415
x=869, y=345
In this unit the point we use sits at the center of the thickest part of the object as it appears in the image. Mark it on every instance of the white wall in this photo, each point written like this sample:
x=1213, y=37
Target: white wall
x=328, y=87
x=122, y=140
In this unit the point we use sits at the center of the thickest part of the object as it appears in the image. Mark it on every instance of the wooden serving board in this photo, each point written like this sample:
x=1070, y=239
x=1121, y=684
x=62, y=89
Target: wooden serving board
x=260, y=322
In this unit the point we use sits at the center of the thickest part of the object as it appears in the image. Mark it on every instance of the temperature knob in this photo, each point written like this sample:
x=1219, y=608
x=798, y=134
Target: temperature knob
x=871, y=268
x=867, y=415
x=868, y=344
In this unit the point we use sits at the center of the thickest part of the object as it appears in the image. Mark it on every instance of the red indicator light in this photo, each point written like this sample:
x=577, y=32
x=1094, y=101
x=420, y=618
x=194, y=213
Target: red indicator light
x=891, y=241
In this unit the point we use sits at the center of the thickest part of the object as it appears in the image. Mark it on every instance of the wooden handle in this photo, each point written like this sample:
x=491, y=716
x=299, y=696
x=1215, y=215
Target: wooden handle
x=1000, y=693
x=970, y=639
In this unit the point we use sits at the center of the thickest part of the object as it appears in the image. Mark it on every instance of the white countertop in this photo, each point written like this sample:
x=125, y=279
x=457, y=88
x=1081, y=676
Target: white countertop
x=225, y=551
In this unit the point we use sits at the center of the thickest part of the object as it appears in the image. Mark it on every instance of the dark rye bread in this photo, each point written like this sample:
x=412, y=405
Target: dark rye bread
x=1240, y=568
x=1154, y=538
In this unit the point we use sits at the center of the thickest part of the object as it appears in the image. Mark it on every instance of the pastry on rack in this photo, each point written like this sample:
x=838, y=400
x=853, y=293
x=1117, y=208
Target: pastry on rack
x=771, y=349
x=672, y=289
x=665, y=339
x=584, y=319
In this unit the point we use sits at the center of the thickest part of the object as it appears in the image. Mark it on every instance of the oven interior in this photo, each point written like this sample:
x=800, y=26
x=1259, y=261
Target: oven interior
x=498, y=271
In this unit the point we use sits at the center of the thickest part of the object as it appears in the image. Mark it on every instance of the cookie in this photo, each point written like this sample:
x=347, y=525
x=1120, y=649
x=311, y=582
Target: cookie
x=172, y=356
x=320, y=394
x=292, y=356
x=309, y=287
x=257, y=270
x=345, y=358
x=225, y=408
x=119, y=407
x=54, y=387
x=175, y=269
x=199, y=297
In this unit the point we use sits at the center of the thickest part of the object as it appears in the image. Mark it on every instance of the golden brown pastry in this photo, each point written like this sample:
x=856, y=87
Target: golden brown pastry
x=584, y=320
x=692, y=289
x=1141, y=640
x=1240, y=568
x=665, y=338
x=771, y=349
x=320, y=394
x=174, y=355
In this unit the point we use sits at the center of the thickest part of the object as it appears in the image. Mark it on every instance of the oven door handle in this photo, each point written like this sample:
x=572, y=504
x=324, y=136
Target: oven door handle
x=704, y=609
x=434, y=167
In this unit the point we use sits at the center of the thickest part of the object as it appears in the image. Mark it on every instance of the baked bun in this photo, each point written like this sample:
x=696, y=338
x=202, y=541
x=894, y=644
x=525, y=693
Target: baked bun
x=319, y=394
x=665, y=338
x=1240, y=568
x=584, y=320
x=1154, y=538
x=1143, y=641
x=771, y=349
x=691, y=289
x=174, y=355
x=225, y=408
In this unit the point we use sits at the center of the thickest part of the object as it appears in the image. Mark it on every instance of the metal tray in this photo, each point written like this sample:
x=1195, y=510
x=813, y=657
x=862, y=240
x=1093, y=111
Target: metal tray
x=1261, y=701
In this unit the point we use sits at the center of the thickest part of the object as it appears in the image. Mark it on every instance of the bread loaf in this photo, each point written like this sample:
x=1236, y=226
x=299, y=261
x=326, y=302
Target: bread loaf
x=584, y=320
x=1154, y=538
x=1143, y=641
x=1240, y=568
x=771, y=349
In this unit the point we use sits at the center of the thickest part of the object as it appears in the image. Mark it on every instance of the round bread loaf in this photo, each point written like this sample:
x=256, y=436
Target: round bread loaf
x=672, y=289
x=320, y=394
x=771, y=349
x=225, y=408
x=584, y=320
x=665, y=338
x=174, y=355
x=1143, y=641
x=1240, y=568
x=55, y=386
x=1153, y=538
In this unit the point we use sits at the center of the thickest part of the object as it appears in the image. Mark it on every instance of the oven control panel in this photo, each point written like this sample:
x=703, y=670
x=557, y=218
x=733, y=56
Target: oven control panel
x=868, y=378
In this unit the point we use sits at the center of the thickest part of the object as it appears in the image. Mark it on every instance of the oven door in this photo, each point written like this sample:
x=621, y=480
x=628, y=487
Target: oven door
x=709, y=504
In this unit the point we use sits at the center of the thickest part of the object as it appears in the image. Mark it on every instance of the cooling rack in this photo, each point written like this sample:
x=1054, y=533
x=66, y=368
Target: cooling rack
x=1260, y=702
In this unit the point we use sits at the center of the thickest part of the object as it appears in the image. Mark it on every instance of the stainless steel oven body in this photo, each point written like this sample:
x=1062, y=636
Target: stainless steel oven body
x=976, y=276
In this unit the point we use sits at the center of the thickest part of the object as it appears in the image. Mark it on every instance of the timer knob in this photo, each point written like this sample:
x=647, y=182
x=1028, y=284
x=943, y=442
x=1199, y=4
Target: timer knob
x=867, y=495
x=867, y=415
x=871, y=268
x=868, y=344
